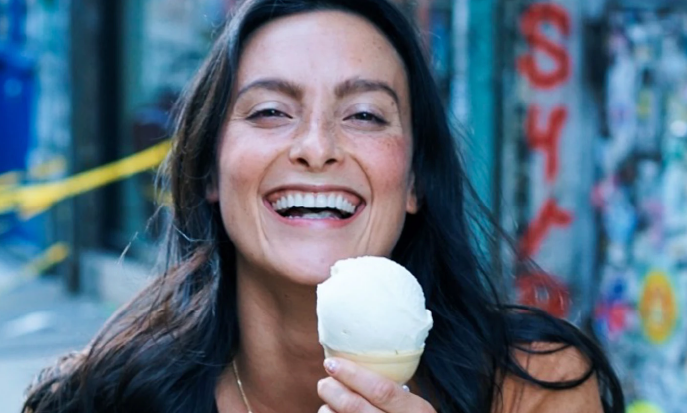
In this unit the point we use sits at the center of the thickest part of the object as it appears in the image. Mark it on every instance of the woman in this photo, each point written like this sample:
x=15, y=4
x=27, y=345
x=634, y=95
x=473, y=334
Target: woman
x=325, y=103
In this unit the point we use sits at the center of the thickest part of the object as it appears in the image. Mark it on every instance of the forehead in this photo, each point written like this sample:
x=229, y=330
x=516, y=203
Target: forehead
x=322, y=46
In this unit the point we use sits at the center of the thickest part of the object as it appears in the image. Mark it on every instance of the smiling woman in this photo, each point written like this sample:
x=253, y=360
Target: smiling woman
x=327, y=122
x=314, y=132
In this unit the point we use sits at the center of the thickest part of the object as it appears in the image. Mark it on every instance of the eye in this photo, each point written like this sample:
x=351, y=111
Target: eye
x=268, y=113
x=367, y=117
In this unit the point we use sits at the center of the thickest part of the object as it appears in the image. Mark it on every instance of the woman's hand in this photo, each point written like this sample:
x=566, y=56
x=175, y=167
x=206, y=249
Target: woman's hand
x=354, y=389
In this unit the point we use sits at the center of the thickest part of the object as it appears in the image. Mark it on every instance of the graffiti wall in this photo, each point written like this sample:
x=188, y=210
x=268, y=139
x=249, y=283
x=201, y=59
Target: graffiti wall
x=641, y=201
x=594, y=180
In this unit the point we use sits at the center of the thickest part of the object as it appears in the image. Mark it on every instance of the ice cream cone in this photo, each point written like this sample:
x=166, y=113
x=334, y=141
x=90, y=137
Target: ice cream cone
x=372, y=311
x=399, y=367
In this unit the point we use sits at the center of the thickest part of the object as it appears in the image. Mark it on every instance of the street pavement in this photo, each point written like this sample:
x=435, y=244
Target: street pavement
x=38, y=323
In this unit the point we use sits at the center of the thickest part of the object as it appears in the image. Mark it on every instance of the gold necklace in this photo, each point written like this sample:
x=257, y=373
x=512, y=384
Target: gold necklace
x=240, y=386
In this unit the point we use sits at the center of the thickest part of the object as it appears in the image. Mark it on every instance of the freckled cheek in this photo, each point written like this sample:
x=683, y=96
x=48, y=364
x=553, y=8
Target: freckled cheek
x=389, y=169
x=237, y=193
x=241, y=169
x=233, y=201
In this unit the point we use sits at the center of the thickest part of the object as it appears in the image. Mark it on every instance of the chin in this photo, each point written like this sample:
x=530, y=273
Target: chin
x=304, y=276
x=308, y=266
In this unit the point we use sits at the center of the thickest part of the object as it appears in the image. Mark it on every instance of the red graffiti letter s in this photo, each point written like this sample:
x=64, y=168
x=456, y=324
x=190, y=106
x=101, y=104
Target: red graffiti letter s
x=527, y=65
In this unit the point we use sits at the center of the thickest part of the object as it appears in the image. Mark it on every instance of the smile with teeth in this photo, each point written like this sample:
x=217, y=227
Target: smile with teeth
x=306, y=205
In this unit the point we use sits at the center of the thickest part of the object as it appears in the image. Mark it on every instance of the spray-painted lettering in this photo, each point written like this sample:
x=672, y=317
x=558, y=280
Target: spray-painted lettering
x=543, y=133
x=549, y=216
x=546, y=139
x=530, y=24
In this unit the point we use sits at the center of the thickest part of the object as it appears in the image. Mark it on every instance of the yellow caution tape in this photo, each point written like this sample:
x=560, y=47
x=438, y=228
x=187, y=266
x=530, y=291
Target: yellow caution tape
x=56, y=165
x=46, y=260
x=9, y=180
x=151, y=193
x=31, y=200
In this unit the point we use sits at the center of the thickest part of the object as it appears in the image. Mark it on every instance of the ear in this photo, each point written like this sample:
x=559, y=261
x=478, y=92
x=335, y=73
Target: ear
x=212, y=193
x=411, y=197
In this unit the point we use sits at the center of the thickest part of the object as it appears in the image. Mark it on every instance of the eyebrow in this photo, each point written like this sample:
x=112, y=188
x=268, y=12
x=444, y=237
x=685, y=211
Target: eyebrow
x=277, y=85
x=345, y=88
x=357, y=85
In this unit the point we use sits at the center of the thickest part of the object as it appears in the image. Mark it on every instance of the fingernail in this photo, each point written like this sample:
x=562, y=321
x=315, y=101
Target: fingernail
x=330, y=365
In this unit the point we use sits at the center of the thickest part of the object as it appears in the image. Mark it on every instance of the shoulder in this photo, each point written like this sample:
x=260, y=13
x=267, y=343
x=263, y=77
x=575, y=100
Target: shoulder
x=552, y=363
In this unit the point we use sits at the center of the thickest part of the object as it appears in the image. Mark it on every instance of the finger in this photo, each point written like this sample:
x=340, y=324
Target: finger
x=341, y=399
x=381, y=392
x=325, y=409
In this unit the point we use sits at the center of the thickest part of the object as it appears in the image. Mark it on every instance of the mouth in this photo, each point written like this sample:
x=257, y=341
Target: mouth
x=315, y=205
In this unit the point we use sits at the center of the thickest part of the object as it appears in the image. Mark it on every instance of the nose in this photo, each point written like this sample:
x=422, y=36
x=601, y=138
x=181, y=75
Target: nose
x=317, y=147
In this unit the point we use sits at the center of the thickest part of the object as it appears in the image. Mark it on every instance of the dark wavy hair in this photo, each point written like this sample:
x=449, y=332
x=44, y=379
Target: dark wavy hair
x=164, y=351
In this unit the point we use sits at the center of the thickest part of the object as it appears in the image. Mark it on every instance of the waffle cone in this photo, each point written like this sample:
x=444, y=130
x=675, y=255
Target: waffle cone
x=399, y=367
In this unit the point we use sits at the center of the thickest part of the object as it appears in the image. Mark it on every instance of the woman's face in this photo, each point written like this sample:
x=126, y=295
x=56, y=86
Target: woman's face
x=315, y=155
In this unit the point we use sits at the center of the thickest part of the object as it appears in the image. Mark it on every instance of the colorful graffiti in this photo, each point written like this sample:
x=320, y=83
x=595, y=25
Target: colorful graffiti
x=641, y=202
x=658, y=307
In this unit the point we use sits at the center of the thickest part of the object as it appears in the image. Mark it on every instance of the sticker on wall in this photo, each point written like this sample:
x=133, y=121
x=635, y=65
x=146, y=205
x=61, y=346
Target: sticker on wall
x=658, y=307
x=613, y=311
x=611, y=319
x=643, y=407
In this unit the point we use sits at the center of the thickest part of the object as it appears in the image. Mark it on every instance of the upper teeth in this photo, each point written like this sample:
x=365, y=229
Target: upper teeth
x=312, y=200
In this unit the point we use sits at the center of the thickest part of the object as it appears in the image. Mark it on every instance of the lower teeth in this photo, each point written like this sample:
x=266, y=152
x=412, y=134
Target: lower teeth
x=316, y=215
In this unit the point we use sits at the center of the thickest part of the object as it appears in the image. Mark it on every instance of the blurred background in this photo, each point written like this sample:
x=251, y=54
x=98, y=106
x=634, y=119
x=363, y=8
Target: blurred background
x=576, y=121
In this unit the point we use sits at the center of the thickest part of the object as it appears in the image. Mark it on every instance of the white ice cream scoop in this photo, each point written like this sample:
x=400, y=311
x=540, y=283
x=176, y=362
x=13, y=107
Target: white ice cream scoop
x=372, y=311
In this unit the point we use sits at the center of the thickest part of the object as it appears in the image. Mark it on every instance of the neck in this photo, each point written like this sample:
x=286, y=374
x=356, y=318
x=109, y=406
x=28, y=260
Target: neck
x=280, y=358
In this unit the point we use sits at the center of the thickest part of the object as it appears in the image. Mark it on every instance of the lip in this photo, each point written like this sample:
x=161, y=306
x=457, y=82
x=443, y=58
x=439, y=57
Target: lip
x=315, y=223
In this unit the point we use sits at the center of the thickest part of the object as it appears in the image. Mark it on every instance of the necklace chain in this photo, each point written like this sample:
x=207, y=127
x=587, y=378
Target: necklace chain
x=240, y=386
